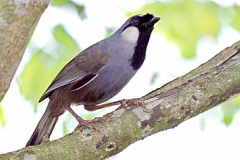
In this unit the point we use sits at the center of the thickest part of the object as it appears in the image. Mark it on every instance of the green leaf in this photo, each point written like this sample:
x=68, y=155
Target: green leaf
x=39, y=72
x=36, y=76
x=184, y=22
x=237, y=101
x=154, y=77
x=59, y=2
x=80, y=11
x=65, y=127
x=70, y=5
x=229, y=109
x=2, y=119
x=109, y=31
x=60, y=34
x=235, y=23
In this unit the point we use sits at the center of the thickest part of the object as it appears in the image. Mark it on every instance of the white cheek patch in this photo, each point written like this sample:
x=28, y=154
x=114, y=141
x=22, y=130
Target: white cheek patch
x=130, y=34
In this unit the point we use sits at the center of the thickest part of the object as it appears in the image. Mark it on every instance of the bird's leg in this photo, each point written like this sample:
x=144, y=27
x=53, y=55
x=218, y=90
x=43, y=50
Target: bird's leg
x=122, y=103
x=81, y=121
x=97, y=107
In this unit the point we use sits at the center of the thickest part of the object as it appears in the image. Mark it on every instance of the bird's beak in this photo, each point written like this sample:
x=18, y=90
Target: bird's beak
x=152, y=21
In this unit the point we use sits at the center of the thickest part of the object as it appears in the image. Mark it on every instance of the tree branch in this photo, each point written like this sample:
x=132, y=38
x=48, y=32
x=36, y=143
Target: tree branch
x=18, y=20
x=203, y=88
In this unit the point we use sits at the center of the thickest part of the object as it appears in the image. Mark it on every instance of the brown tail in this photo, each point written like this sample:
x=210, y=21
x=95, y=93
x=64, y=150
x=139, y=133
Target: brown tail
x=43, y=130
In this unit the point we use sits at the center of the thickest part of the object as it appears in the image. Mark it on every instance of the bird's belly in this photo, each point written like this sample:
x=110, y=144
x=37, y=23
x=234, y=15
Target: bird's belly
x=104, y=87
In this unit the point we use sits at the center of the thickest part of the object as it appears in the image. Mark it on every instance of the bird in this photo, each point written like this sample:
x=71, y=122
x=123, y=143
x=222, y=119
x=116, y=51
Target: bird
x=96, y=74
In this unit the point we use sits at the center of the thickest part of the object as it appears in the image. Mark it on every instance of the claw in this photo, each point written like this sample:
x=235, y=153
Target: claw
x=135, y=101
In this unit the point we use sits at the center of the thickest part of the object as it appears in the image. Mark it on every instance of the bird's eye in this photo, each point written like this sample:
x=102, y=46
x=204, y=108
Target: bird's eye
x=135, y=21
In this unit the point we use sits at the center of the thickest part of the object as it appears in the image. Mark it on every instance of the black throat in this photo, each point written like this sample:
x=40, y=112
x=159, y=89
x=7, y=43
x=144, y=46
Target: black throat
x=140, y=49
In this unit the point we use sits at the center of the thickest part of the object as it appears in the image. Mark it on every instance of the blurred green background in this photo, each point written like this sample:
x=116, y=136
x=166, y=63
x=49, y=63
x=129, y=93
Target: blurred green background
x=184, y=23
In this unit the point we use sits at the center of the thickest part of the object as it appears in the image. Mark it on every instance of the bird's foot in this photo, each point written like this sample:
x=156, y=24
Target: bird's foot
x=135, y=101
x=81, y=121
x=87, y=123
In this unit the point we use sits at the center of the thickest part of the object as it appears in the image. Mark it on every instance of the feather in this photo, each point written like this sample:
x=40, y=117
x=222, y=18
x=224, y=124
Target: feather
x=81, y=71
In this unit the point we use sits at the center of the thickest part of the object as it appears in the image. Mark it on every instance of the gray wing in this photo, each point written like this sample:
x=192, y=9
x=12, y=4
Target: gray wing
x=83, y=68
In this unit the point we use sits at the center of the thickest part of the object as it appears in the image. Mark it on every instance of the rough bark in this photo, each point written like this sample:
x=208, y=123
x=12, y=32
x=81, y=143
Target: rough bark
x=203, y=88
x=18, y=19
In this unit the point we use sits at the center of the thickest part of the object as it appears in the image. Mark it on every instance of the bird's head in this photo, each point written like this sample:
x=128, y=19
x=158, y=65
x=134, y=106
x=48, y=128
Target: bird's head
x=138, y=26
